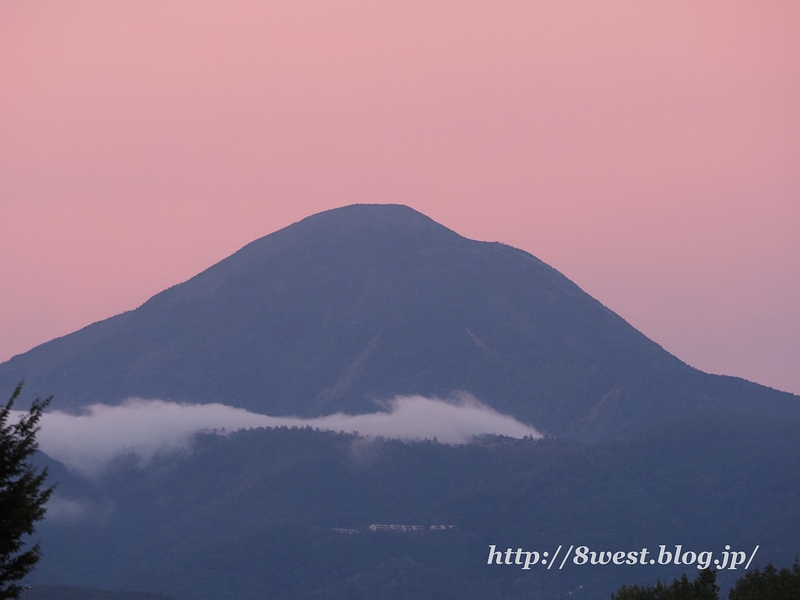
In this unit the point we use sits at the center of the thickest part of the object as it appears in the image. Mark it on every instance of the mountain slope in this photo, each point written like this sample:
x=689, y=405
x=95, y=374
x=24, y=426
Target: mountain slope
x=368, y=301
x=252, y=515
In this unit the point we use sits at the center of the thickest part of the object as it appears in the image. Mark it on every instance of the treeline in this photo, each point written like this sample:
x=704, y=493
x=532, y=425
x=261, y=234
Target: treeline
x=766, y=584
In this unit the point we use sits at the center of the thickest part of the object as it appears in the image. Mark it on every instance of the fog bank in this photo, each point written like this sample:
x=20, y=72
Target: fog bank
x=87, y=442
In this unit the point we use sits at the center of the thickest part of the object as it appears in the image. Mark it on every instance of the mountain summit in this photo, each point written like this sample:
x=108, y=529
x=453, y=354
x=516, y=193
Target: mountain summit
x=361, y=303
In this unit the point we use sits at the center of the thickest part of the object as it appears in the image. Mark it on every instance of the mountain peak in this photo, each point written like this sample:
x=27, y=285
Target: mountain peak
x=356, y=221
x=365, y=302
x=356, y=217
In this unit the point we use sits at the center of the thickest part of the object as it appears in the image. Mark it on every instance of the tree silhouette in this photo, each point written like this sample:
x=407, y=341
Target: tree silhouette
x=769, y=584
x=22, y=497
x=703, y=588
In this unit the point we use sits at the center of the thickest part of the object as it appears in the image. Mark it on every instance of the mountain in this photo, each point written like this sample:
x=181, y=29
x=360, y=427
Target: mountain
x=365, y=302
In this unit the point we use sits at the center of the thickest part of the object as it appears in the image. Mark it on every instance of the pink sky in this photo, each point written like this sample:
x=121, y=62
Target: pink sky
x=650, y=151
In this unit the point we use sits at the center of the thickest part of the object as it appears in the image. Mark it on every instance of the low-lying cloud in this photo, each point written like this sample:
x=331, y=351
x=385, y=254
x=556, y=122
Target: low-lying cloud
x=65, y=509
x=88, y=442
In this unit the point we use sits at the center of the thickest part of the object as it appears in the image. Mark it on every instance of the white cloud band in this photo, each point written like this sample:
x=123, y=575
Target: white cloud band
x=87, y=442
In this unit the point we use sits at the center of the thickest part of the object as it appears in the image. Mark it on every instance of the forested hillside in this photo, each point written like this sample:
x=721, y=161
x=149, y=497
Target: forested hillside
x=255, y=514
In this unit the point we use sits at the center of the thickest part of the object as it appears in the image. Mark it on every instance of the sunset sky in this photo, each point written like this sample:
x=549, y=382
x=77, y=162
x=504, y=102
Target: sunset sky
x=650, y=151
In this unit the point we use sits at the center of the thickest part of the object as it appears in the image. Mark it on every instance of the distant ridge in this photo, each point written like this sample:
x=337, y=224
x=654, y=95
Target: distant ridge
x=367, y=301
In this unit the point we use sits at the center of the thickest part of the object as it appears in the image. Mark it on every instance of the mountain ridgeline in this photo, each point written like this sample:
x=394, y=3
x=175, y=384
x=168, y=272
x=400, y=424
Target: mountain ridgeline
x=366, y=302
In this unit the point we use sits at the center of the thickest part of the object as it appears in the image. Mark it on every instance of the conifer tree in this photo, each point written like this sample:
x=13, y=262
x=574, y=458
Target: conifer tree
x=769, y=584
x=22, y=493
x=703, y=588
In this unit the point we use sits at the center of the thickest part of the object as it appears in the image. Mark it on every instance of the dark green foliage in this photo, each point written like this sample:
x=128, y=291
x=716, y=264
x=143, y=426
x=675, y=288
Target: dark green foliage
x=702, y=588
x=768, y=584
x=64, y=592
x=22, y=496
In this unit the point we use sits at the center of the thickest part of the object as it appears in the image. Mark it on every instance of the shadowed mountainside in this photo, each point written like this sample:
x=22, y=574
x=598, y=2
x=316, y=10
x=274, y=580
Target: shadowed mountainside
x=369, y=301
x=252, y=515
